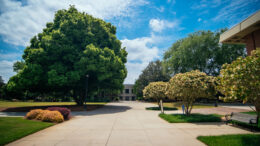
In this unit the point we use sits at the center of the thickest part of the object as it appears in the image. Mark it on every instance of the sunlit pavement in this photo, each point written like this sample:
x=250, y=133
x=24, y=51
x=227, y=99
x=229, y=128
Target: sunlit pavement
x=121, y=124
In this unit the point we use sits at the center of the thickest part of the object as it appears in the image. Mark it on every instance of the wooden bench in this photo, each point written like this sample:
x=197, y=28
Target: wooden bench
x=245, y=118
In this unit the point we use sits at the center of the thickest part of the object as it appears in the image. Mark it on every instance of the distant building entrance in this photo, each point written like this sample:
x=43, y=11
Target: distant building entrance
x=128, y=93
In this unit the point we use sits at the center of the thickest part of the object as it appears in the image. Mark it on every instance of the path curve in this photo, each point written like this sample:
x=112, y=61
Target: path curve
x=123, y=124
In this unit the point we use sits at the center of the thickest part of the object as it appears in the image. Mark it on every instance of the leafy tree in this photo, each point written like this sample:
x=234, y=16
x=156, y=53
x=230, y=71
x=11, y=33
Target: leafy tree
x=200, y=51
x=189, y=86
x=74, y=45
x=18, y=66
x=156, y=90
x=1, y=87
x=1, y=81
x=241, y=80
x=152, y=73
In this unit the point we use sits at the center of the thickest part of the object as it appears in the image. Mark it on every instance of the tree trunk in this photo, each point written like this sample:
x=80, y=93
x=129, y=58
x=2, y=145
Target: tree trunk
x=158, y=102
x=257, y=108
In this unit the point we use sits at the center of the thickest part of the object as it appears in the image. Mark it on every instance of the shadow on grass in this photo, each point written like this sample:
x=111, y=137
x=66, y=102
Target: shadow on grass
x=193, y=118
x=164, y=108
x=71, y=107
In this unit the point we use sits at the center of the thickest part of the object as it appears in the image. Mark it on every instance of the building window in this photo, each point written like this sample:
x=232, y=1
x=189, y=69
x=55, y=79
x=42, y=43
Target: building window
x=121, y=98
x=127, y=98
x=127, y=91
x=132, y=91
x=133, y=98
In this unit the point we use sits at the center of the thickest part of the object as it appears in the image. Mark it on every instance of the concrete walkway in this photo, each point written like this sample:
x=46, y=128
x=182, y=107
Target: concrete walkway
x=123, y=124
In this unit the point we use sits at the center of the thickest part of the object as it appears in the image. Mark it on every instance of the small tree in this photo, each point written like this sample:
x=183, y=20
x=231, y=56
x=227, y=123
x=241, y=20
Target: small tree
x=156, y=90
x=189, y=86
x=241, y=80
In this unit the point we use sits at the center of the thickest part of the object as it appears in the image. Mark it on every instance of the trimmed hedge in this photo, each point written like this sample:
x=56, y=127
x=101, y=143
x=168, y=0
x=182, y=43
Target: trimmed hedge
x=41, y=115
x=33, y=114
x=246, y=125
x=45, y=115
x=64, y=111
x=53, y=116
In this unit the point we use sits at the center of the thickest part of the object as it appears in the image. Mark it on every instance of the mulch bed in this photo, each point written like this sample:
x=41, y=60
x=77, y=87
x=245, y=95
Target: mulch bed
x=71, y=107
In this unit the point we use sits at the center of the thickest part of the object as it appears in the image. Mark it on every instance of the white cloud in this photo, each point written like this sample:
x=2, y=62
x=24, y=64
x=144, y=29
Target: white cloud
x=6, y=69
x=160, y=9
x=206, y=4
x=140, y=52
x=158, y=25
x=10, y=56
x=236, y=10
x=199, y=19
x=20, y=21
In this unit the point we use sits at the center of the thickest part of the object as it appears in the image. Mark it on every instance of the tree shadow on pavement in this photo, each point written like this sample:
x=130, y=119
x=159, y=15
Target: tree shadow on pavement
x=107, y=109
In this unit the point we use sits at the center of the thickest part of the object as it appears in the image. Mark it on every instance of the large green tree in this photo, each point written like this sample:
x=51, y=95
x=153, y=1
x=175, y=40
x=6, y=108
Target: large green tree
x=74, y=45
x=18, y=66
x=152, y=73
x=200, y=51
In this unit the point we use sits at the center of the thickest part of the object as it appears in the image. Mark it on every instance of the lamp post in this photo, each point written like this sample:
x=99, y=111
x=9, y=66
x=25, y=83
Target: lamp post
x=87, y=76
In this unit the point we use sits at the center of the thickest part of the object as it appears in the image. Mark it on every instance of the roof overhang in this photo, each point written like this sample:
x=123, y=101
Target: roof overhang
x=237, y=33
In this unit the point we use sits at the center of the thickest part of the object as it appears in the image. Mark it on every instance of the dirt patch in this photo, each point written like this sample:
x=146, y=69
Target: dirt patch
x=218, y=110
x=71, y=107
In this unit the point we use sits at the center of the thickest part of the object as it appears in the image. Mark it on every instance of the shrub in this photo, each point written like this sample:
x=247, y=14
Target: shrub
x=155, y=90
x=190, y=86
x=33, y=114
x=240, y=80
x=41, y=114
x=52, y=116
x=64, y=111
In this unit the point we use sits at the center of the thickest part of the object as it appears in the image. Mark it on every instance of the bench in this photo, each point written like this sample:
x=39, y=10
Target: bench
x=245, y=118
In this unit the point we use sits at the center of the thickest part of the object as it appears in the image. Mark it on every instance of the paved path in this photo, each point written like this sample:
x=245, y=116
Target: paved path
x=123, y=124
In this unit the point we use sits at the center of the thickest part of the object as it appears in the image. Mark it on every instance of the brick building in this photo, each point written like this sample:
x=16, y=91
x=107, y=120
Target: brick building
x=128, y=93
x=246, y=32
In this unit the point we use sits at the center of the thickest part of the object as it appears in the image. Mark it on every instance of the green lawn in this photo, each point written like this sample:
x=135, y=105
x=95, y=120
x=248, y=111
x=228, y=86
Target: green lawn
x=179, y=104
x=193, y=118
x=6, y=104
x=164, y=108
x=231, y=140
x=13, y=128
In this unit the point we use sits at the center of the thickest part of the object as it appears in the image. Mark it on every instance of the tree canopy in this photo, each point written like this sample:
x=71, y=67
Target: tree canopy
x=189, y=86
x=200, y=51
x=241, y=79
x=74, y=45
x=152, y=73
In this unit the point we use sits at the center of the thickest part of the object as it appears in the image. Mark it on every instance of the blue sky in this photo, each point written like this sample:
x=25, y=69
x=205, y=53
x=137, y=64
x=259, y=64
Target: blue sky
x=146, y=28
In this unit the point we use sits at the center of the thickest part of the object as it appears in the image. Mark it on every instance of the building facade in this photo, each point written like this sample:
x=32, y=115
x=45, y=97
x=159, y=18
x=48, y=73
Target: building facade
x=128, y=93
x=246, y=32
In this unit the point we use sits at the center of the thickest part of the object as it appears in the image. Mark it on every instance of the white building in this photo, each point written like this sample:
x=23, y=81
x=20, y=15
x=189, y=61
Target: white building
x=128, y=93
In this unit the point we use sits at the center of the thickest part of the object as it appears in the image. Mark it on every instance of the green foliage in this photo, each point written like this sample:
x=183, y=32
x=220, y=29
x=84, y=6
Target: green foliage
x=18, y=66
x=241, y=79
x=152, y=73
x=74, y=45
x=13, y=128
x=155, y=90
x=189, y=86
x=200, y=51
x=193, y=118
x=2, y=84
x=231, y=140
